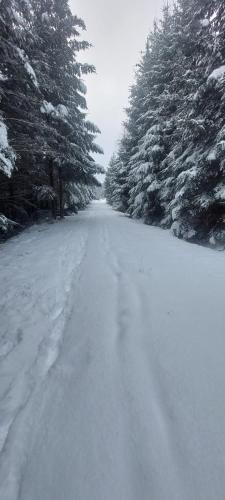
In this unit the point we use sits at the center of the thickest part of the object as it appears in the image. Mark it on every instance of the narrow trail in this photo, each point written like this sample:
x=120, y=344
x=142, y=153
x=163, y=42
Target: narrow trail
x=133, y=406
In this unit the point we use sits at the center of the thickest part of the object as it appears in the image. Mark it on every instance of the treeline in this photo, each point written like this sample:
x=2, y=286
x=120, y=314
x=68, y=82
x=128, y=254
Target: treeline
x=46, y=141
x=170, y=166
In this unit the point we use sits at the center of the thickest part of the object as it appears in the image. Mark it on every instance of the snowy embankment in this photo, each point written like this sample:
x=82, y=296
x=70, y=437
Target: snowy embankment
x=133, y=406
x=37, y=272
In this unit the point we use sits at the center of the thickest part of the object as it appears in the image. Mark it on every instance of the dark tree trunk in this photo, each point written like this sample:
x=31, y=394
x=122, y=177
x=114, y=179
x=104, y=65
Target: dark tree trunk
x=52, y=184
x=61, y=204
x=11, y=195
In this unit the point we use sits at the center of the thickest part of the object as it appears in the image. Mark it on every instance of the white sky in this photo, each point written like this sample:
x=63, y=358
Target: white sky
x=118, y=30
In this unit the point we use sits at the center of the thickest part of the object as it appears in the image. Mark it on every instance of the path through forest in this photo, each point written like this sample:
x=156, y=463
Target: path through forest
x=114, y=390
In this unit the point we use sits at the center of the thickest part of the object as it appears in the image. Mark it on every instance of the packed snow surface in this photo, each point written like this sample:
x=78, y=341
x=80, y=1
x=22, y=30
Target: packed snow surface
x=112, y=363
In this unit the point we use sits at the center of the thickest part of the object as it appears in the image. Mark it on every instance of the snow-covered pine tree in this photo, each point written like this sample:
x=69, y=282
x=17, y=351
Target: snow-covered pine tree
x=43, y=108
x=7, y=155
x=7, y=162
x=198, y=207
x=132, y=130
x=20, y=98
x=115, y=183
x=186, y=44
x=149, y=196
x=175, y=165
x=64, y=104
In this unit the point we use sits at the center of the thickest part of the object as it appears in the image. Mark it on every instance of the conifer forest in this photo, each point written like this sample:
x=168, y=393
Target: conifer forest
x=46, y=141
x=169, y=169
x=112, y=250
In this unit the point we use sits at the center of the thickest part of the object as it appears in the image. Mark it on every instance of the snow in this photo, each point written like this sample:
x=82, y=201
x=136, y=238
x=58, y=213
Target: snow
x=18, y=18
x=3, y=77
x=212, y=156
x=217, y=74
x=191, y=173
x=31, y=73
x=112, y=372
x=6, y=165
x=143, y=168
x=45, y=193
x=82, y=87
x=138, y=199
x=212, y=241
x=219, y=192
x=28, y=66
x=36, y=280
x=45, y=17
x=60, y=111
x=5, y=223
x=157, y=149
x=205, y=23
x=3, y=136
x=7, y=157
x=175, y=213
x=153, y=186
x=47, y=108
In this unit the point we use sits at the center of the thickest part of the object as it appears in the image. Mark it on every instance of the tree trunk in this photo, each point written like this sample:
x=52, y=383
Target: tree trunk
x=11, y=195
x=61, y=204
x=52, y=184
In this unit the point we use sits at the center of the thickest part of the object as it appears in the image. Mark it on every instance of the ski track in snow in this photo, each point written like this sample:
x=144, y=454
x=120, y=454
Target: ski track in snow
x=112, y=362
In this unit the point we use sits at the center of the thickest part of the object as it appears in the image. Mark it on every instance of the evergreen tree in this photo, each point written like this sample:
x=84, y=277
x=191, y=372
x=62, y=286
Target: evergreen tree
x=64, y=103
x=18, y=95
x=114, y=184
x=174, y=150
x=49, y=140
x=156, y=124
x=198, y=207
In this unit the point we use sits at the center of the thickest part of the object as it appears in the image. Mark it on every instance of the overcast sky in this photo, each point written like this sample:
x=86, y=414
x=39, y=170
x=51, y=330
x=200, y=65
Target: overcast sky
x=118, y=30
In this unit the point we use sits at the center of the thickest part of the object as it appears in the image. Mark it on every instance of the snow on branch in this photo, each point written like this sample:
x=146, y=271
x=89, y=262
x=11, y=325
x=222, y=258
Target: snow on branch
x=6, y=224
x=60, y=112
x=217, y=74
x=7, y=156
x=28, y=66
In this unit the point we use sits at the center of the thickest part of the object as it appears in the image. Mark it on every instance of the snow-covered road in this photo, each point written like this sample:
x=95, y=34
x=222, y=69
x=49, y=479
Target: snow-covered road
x=112, y=363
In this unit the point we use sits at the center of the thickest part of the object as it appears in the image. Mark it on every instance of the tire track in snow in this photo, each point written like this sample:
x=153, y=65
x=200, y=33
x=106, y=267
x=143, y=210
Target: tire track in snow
x=127, y=296
x=140, y=381
x=122, y=312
